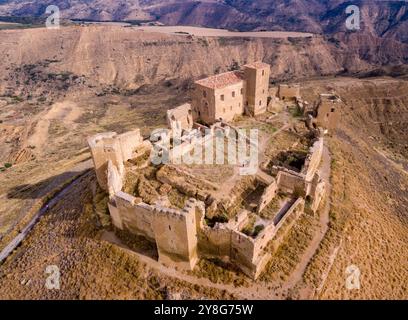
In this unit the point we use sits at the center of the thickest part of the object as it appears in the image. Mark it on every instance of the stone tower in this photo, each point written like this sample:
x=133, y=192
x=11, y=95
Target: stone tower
x=257, y=87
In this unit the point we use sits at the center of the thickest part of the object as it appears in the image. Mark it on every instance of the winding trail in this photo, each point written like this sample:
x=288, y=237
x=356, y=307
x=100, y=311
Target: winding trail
x=13, y=244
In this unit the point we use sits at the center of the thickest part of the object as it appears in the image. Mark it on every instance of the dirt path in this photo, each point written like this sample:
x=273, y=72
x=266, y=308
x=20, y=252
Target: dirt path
x=24, y=233
x=332, y=258
x=255, y=291
x=65, y=111
x=73, y=172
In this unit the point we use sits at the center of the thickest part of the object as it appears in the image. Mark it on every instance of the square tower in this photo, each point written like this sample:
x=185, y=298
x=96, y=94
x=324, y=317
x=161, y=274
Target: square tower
x=220, y=97
x=257, y=86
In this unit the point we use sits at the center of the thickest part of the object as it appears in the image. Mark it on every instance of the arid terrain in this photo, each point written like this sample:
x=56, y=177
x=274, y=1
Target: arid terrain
x=60, y=86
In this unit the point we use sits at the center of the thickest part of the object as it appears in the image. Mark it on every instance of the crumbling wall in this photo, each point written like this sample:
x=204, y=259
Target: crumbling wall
x=174, y=231
x=328, y=111
x=215, y=241
x=104, y=147
x=112, y=147
x=135, y=216
x=289, y=92
x=186, y=150
x=249, y=253
x=115, y=180
x=317, y=192
x=239, y=221
x=313, y=160
x=129, y=142
x=242, y=251
x=180, y=118
x=275, y=105
x=290, y=183
x=267, y=196
x=184, y=182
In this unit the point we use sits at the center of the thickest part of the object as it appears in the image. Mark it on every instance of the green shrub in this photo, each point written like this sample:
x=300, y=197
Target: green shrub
x=258, y=229
x=8, y=165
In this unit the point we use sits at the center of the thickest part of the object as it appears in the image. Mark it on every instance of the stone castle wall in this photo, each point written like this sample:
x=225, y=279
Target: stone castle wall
x=181, y=235
x=289, y=92
x=112, y=147
x=313, y=160
x=268, y=195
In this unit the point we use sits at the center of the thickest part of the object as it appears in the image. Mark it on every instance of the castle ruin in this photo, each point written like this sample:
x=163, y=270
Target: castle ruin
x=189, y=216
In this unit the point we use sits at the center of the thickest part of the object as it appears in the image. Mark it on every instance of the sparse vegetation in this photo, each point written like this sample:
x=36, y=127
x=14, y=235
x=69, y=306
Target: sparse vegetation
x=218, y=271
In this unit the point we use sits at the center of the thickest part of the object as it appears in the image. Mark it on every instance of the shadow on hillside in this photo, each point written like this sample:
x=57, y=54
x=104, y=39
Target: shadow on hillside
x=42, y=188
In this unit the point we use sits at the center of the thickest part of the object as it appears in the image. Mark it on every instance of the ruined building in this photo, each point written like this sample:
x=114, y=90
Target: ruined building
x=223, y=96
x=328, y=111
x=325, y=112
x=186, y=214
x=182, y=235
x=289, y=92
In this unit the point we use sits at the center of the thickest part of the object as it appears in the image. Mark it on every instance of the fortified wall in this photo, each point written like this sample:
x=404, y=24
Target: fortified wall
x=182, y=234
x=289, y=92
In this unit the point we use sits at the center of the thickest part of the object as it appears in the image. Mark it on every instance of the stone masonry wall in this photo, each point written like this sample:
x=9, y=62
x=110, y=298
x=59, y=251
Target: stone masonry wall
x=267, y=196
x=288, y=92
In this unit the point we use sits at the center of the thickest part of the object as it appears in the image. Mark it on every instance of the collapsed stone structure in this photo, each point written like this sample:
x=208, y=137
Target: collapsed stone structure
x=180, y=118
x=185, y=233
x=325, y=112
x=289, y=91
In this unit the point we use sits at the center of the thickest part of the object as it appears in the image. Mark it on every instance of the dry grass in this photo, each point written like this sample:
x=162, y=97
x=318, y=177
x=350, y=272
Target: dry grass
x=287, y=256
x=218, y=271
x=367, y=225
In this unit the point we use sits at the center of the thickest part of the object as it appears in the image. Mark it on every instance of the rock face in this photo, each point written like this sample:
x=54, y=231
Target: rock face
x=127, y=58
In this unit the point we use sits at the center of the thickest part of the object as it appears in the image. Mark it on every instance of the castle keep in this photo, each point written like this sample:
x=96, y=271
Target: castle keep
x=191, y=212
x=223, y=96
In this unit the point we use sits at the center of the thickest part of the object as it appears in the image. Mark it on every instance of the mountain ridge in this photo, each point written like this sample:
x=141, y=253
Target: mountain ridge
x=382, y=19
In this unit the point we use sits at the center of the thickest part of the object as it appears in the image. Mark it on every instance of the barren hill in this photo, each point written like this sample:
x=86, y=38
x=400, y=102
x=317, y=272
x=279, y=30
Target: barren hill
x=127, y=58
x=379, y=18
x=60, y=86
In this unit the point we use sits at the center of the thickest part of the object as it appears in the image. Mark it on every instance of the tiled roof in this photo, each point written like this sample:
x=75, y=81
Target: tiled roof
x=257, y=65
x=222, y=80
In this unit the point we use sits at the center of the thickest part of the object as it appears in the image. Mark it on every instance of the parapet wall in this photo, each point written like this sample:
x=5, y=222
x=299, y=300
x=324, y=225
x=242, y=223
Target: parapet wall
x=290, y=183
x=174, y=231
x=181, y=235
x=313, y=160
x=268, y=195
